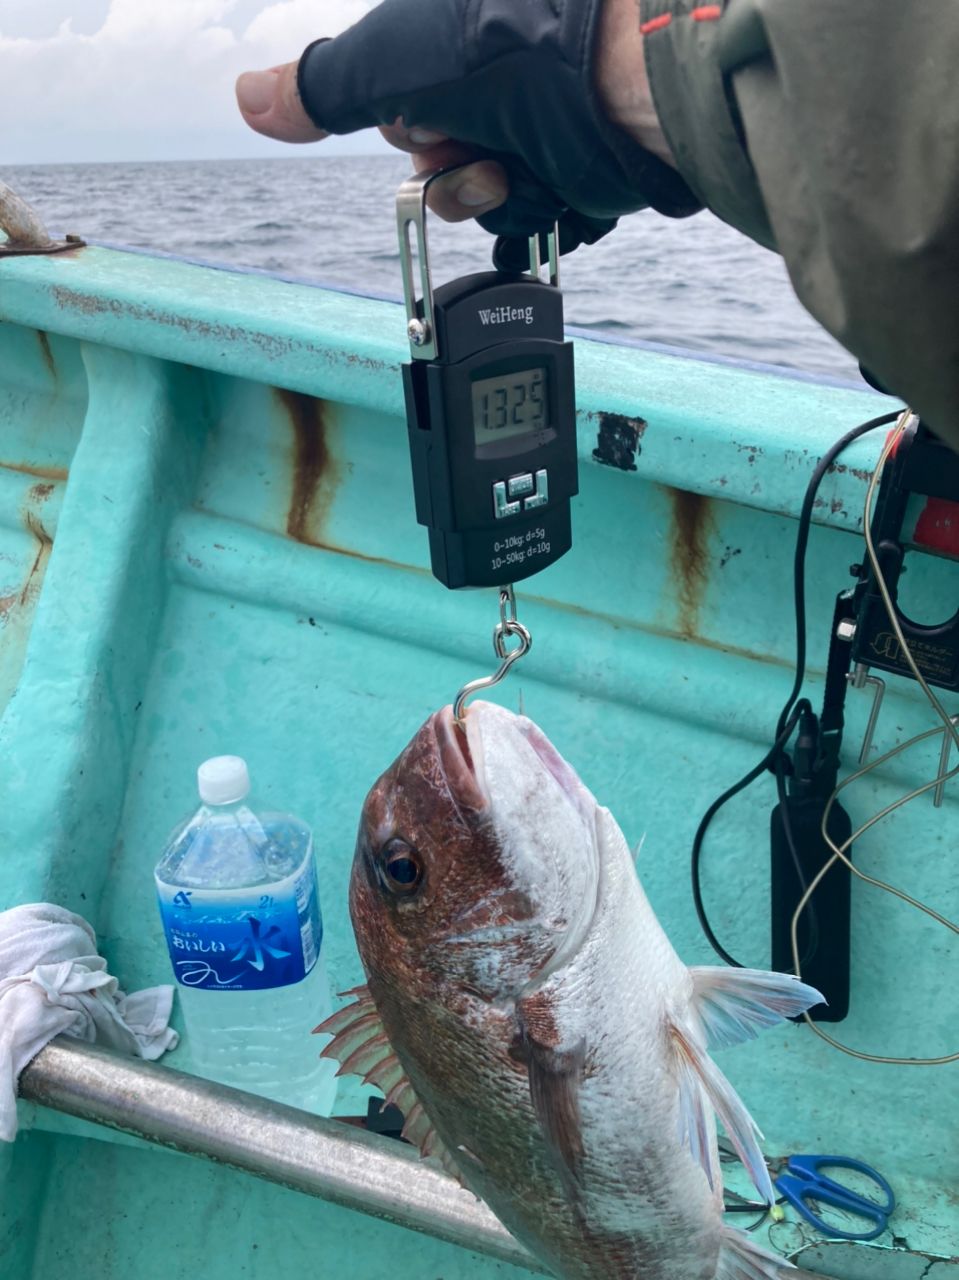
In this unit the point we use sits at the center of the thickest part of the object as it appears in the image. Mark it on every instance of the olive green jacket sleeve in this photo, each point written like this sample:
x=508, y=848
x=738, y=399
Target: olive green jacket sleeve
x=829, y=130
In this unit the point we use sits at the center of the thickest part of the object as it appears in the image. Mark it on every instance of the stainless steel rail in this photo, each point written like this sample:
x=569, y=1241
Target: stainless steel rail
x=322, y=1158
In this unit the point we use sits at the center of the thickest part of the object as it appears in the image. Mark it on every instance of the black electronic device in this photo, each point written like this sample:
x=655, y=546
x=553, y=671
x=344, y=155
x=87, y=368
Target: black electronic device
x=917, y=509
x=799, y=853
x=490, y=405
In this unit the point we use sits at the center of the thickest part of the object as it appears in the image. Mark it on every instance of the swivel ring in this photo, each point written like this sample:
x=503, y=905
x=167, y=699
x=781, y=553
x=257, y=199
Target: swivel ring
x=511, y=628
x=507, y=626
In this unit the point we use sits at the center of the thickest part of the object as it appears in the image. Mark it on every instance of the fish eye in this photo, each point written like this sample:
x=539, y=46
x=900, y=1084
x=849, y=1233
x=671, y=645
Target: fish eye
x=399, y=866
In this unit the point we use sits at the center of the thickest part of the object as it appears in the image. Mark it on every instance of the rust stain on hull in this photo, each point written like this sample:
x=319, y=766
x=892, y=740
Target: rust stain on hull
x=18, y=600
x=42, y=473
x=44, y=544
x=272, y=346
x=91, y=305
x=692, y=524
x=840, y=468
x=315, y=473
x=335, y=550
x=46, y=352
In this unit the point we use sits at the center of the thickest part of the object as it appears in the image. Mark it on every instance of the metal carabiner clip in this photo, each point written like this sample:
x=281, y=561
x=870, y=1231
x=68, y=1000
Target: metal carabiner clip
x=411, y=225
x=507, y=626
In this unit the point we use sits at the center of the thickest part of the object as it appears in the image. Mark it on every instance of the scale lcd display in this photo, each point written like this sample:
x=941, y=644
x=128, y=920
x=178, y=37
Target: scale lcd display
x=511, y=404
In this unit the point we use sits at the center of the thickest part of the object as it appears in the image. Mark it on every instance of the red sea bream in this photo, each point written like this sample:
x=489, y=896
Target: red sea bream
x=527, y=1013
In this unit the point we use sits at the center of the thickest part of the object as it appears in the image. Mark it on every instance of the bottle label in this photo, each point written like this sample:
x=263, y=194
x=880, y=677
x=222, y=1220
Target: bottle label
x=244, y=939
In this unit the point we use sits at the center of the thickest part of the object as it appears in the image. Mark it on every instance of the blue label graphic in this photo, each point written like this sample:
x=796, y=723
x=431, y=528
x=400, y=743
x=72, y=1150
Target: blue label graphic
x=243, y=939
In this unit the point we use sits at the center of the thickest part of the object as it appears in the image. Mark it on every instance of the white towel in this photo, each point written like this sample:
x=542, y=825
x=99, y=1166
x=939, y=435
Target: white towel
x=52, y=982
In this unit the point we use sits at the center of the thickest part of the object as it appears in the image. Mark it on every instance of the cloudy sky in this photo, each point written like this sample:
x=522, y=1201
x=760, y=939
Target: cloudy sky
x=85, y=80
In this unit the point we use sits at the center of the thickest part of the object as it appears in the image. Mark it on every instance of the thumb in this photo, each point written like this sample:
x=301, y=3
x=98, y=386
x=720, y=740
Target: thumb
x=269, y=102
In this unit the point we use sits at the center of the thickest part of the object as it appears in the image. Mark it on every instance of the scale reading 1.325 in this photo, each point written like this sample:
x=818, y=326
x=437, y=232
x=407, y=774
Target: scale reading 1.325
x=491, y=412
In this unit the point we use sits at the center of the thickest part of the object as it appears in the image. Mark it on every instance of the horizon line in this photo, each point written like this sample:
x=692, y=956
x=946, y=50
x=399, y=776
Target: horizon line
x=298, y=156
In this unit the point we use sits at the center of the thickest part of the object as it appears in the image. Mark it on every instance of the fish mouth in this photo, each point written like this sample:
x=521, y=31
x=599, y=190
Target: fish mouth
x=571, y=921
x=456, y=762
x=578, y=794
x=560, y=770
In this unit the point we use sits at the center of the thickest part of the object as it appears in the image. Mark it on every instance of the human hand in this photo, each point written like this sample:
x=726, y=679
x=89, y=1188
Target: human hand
x=270, y=103
x=529, y=93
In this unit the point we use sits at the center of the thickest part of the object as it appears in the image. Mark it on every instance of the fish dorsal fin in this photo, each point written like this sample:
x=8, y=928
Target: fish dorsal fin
x=362, y=1048
x=736, y=1004
x=699, y=1075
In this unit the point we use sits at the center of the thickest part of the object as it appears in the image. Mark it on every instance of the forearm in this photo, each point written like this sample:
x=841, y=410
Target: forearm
x=621, y=78
x=835, y=141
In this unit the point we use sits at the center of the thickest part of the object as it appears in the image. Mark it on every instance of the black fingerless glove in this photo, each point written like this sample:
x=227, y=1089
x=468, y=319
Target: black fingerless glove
x=513, y=78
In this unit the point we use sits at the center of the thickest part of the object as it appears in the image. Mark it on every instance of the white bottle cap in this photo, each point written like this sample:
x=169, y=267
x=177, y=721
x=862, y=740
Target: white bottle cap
x=223, y=780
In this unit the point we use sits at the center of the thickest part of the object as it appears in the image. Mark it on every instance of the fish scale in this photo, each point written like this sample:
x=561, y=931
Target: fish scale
x=525, y=989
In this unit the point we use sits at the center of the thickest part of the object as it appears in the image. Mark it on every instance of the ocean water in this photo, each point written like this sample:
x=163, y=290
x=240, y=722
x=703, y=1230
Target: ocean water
x=694, y=284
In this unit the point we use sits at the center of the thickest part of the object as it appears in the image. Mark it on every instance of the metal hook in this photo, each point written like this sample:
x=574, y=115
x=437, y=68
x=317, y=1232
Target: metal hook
x=507, y=626
x=859, y=678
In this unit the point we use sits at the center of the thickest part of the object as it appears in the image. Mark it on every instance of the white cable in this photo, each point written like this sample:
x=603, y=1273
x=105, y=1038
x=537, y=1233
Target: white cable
x=839, y=851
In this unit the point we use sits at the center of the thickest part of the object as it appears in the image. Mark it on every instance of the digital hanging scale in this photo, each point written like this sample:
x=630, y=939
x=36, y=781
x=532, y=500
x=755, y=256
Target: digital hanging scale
x=490, y=407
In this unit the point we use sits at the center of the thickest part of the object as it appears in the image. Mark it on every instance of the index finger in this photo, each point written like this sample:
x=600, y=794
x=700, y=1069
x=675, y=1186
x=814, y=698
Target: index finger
x=470, y=191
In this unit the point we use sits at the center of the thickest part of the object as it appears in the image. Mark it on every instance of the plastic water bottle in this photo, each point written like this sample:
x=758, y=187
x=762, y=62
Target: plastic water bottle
x=241, y=914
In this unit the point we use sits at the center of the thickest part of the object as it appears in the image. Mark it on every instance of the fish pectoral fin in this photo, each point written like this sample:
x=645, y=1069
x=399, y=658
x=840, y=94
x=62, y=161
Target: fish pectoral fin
x=736, y=1004
x=740, y=1258
x=555, y=1075
x=361, y=1046
x=699, y=1075
x=693, y=1126
x=554, y=1080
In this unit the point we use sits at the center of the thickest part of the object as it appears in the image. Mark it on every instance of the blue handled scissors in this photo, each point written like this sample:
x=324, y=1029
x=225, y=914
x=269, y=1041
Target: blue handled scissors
x=800, y=1180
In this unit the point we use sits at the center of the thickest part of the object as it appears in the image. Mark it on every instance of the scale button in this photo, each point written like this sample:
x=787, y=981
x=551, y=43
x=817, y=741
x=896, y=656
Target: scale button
x=541, y=496
x=502, y=508
x=519, y=486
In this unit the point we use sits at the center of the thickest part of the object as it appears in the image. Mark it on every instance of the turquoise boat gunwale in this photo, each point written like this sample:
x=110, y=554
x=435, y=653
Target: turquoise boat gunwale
x=198, y=462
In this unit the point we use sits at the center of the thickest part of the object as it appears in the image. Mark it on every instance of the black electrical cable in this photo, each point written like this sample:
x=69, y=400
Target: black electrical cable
x=747, y=780
x=792, y=709
x=779, y=769
x=802, y=541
